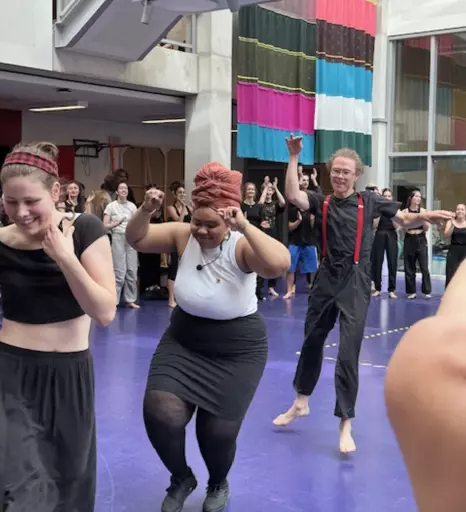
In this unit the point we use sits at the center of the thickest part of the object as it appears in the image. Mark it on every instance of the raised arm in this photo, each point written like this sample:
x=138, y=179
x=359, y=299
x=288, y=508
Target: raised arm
x=154, y=238
x=292, y=191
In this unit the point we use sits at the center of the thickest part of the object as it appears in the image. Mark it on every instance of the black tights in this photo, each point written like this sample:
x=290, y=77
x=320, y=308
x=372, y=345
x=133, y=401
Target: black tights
x=166, y=417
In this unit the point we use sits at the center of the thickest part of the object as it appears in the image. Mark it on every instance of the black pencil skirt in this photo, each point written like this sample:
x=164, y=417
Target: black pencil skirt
x=215, y=365
x=47, y=431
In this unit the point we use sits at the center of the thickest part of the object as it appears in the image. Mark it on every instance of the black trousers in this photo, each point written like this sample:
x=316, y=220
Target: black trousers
x=344, y=294
x=385, y=242
x=456, y=255
x=47, y=431
x=415, y=250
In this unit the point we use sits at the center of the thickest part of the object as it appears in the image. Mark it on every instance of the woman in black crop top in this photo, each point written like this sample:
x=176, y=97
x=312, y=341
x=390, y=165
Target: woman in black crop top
x=385, y=242
x=456, y=231
x=55, y=275
x=179, y=211
x=415, y=250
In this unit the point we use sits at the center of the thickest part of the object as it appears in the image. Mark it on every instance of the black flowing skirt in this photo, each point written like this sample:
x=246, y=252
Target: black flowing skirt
x=215, y=365
x=47, y=431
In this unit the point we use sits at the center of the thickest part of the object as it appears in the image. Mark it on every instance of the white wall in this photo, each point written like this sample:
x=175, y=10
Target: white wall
x=61, y=130
x=416, y=16
x=26, y=33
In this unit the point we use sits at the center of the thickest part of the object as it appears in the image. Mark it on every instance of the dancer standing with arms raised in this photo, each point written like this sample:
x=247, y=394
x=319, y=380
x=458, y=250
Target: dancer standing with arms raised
x=342, y=287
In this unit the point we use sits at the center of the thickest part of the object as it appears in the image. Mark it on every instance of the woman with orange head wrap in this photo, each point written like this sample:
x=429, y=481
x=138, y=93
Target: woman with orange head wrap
x=213, y=354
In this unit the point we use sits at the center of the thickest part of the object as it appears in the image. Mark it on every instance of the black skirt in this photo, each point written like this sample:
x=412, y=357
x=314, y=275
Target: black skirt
x=215, y=365
x=47, y=431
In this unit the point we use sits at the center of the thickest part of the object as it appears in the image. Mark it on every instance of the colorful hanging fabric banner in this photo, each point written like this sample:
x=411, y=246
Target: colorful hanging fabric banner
x=344, y=72
x=276, y=84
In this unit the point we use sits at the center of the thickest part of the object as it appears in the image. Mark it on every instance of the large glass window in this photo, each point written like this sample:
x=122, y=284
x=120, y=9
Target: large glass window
x=449, y=191
x=411, y=95
x=407, y=174
x=451, y=93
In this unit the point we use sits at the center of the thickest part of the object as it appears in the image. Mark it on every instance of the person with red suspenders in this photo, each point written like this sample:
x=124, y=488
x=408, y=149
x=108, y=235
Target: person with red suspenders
x=342, y=287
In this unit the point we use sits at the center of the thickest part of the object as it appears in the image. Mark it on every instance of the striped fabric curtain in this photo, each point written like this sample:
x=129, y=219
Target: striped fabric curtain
x=345, y=52
x=276, y=84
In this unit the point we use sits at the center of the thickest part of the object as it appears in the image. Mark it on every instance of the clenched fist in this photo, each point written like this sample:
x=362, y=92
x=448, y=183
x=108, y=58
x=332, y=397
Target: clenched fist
x=153, y=200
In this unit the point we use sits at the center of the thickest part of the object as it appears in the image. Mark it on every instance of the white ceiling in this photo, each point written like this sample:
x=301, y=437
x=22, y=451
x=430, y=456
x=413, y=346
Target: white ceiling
x=19, y=92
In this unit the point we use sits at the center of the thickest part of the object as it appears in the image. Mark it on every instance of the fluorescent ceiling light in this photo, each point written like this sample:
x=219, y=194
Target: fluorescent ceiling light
x=163, y=121
x=60, y=107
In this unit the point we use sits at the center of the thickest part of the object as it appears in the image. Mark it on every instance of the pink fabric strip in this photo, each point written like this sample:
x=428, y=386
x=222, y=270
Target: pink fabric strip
x=357, y=14
x=275, y=109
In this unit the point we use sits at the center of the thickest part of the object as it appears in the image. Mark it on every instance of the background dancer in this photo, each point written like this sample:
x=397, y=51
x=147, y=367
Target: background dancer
x=212, y=356
x=52, y=284
x=385, y=242
x=343, y=284
x=424, y=391
x=455, y=230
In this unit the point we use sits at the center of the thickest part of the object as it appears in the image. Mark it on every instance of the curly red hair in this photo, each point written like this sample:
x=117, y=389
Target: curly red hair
x=216, y=187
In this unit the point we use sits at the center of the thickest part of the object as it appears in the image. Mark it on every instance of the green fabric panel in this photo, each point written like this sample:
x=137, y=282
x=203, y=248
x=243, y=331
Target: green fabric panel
x=274, y=69
x=327, y=142
x=277, y=30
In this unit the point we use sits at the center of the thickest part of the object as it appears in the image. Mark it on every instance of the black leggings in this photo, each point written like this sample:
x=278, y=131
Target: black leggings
x=166, y=417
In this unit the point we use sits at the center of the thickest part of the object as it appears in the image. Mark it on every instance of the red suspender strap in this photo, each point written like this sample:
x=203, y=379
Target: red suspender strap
x=359, y=228
x=324, y=226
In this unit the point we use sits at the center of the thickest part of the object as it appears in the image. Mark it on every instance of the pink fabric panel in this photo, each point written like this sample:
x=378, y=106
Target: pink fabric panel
x=275, y=109
x=357, y=14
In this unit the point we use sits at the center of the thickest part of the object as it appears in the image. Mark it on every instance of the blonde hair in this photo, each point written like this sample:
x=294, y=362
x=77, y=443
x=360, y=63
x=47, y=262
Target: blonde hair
x=99, y=203
x=45, y=150
x=347, y=153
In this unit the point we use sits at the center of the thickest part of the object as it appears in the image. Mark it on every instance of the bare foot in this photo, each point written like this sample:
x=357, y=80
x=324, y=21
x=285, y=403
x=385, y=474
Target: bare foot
x=347, y=444
x=133, y=305
x=392, y=295
x=296, y=411
x=172, y=305
x=288, y=296
x=272, y=292
x=375, y=293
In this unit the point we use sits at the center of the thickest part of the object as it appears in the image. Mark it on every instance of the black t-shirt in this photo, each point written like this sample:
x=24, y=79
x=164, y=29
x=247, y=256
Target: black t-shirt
x=305, y=233
x=385, y=224
x=342, y=226
x=269, y=213
x=253, y=213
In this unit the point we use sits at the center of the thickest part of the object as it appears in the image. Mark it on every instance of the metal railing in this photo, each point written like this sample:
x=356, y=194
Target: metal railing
x=182, y=35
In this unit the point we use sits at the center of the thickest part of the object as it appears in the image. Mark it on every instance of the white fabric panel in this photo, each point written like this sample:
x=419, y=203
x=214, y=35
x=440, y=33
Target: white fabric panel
x=336, y=113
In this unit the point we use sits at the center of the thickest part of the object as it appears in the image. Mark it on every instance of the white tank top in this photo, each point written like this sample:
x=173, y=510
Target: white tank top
x=221, y=290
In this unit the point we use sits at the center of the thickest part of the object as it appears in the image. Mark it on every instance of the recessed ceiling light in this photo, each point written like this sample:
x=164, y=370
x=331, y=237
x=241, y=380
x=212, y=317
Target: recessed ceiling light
x=163, y=121
x=60, y=107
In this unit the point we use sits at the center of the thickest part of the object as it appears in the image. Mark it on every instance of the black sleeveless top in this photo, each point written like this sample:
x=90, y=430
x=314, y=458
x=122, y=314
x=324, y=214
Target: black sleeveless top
x=187, y=217
x=413, y=230
x=458, y=236
x=34, y=289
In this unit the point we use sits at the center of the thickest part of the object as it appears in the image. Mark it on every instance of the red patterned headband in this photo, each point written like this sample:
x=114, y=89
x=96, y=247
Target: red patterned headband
x=39, y=162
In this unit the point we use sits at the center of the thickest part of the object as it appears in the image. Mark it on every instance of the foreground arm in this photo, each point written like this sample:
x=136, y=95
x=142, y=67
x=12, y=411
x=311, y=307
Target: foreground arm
x=153, y=238
x=256, y=252
x=408, y=220
x=90, y=276
x=263, y=254
x=425, y=392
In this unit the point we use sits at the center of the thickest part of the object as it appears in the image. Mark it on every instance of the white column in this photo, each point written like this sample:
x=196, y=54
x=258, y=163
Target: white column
x=208, y=114
x=379, y=172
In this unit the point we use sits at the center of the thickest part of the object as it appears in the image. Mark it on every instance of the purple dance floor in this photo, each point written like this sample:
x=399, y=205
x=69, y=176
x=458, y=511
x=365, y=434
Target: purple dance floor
x=297, y=469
